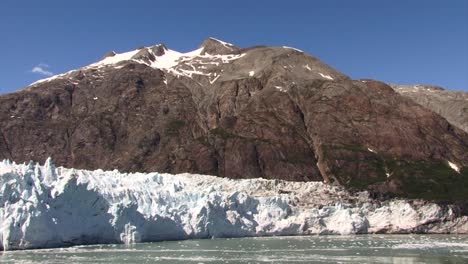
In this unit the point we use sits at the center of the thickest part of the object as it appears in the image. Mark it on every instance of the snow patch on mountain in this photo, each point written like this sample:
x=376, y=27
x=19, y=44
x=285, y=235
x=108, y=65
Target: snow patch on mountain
x=58, y=76
x=215, y=78
x=326, y=76
x=280, y=88
x=171, y=58
x=118, y=57
x=454, y=166
x=286, y=47
x=371, y=150
x=45, y=206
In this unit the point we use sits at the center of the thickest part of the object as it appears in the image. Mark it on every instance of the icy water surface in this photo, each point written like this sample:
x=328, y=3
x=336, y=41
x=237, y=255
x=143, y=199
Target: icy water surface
x=306, y=249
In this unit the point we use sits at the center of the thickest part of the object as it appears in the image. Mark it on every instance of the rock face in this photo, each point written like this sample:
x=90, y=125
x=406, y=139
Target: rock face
x=44, y=206
x=451, y=105
x=271, y=112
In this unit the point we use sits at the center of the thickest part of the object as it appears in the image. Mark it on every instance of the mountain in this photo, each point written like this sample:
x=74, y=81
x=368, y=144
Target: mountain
x=270, y=112
x=452, y=105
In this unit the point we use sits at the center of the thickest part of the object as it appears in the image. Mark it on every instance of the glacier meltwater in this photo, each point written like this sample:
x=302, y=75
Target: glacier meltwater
x=43, y=206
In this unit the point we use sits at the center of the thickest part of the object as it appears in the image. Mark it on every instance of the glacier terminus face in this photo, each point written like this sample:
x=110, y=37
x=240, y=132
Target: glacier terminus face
x=43, y=206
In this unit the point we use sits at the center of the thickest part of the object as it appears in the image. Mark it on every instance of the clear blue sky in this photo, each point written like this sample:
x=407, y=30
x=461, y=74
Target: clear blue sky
x=407, y=42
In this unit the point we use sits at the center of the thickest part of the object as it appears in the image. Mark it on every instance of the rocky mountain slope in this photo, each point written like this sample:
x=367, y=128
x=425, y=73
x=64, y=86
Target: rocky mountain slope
x=271, y=112
x=452, y=105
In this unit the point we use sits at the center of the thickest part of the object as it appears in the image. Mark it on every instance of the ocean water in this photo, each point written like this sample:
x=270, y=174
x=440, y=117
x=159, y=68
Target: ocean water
x=303, y=249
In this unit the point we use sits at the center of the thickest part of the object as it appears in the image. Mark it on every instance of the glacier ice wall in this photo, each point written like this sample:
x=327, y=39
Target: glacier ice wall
x=44, y=206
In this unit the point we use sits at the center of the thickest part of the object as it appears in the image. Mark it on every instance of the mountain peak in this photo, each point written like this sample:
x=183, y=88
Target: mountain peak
x=215, y=46
x=109, y=54
x=159, y=49
x=270, y=112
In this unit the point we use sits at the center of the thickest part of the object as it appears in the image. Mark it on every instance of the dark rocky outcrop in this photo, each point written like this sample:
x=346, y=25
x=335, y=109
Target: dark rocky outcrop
x=268, y=112
x=109, y=54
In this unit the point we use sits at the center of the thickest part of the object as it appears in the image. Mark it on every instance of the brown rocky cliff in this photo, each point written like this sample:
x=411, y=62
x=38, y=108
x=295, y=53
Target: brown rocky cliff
x=270, y=112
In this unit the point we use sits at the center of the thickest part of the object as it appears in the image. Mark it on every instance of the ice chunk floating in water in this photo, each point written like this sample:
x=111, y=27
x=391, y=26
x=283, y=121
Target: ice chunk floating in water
x=45, y=206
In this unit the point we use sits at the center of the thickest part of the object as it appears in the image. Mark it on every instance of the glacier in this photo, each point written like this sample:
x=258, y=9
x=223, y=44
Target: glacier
x=44, y=206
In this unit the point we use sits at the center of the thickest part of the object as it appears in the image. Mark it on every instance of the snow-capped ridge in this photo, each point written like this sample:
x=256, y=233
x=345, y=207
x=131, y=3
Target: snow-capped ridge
x=118, y=57
x=170, y=61
x=212, y=52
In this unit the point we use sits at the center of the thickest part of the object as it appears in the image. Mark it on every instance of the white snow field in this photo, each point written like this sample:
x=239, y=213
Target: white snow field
x=44, y=206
